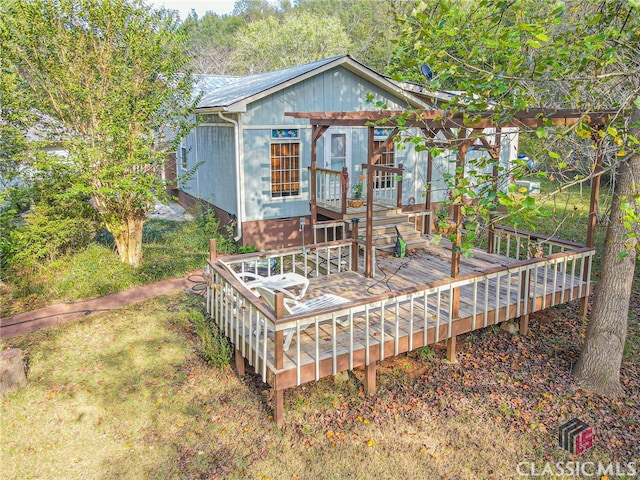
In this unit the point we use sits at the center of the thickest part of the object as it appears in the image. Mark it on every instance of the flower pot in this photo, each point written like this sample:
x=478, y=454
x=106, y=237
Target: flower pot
x=355, y=202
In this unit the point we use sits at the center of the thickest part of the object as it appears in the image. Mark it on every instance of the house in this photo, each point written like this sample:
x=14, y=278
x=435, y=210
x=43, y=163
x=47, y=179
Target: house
x=252, y=161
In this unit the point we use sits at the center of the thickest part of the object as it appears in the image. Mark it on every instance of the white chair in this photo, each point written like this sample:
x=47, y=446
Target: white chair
x=293, y=307
x=286, y=283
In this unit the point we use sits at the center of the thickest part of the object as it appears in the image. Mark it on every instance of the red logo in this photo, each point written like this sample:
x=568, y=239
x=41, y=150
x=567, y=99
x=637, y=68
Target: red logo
x=575, y=436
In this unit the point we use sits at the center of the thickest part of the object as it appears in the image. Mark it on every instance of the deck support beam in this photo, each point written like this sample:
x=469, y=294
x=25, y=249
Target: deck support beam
x=524, y=325
x=239, y=361
x=278, y=404
x=451, y=349
x=370, y=378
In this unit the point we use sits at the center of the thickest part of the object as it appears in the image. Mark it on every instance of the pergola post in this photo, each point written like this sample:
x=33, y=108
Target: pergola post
x=368, y=266
x=317, y=132
x=494, y=152
x=427, y=203
x=593, y=215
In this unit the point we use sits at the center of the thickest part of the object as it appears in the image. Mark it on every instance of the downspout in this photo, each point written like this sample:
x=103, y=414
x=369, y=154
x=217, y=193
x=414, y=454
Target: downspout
x=239, y=176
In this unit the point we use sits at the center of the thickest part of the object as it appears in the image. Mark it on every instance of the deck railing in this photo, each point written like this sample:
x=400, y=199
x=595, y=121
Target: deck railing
x=522, y=245
x=421, y=219
x=329, y=230
x=387, y=184
x=332, y=189
x=377, y=327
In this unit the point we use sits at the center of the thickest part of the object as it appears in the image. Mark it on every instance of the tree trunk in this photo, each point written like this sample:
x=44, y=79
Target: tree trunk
x=129, y=241
x=598, y=368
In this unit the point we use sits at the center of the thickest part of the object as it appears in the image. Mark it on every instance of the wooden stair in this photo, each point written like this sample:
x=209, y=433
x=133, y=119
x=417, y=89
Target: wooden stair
x=384, y=222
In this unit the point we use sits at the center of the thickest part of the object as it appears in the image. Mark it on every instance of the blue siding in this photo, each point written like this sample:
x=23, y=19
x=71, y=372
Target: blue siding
x=335, y=90
x=215, y=178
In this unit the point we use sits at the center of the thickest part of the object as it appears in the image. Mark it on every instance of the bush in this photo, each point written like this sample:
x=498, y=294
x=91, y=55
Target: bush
x=214, y=347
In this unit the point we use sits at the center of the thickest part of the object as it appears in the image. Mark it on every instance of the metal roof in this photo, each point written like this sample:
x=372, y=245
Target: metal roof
x=219, y=93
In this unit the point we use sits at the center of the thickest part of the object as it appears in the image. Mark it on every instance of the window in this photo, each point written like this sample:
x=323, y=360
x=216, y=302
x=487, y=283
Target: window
x=183, y=157
x=384, y=179
x=338, y=151
x=285, y=169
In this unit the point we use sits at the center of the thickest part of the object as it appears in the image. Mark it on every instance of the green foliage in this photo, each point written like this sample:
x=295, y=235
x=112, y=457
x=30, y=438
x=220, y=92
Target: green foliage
x=295, y=39
x=96, y=270
x=214, y=347
x=112, y=79
x=209, y=228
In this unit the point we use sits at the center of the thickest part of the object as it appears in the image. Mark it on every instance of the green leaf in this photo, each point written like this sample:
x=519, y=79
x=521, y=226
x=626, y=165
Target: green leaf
x=623, y=255
x=541, y=132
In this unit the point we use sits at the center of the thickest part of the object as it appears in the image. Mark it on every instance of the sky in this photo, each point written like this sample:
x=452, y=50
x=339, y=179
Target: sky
x=184, y=7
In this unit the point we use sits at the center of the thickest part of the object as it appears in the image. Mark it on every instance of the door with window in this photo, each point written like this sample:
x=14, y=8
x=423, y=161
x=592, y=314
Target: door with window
x=337, y=155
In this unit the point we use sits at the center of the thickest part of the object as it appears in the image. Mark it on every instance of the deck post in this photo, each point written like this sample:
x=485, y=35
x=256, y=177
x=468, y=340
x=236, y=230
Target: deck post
x=278, y=403
x=354, y=245
x=370, y=378
x=525, y=281
x=279, y=336
x=524, y=325
x=212, y=250
x=344, y=190
x=457, y=219
x=451, y=349
x=593, y=214
x=239, y=360
x=399, y=187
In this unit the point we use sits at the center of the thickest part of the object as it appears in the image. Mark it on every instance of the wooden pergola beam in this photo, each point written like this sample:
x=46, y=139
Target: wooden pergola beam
x=439, y=119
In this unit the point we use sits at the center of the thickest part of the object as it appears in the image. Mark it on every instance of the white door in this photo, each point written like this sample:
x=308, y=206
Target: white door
x=337, y=154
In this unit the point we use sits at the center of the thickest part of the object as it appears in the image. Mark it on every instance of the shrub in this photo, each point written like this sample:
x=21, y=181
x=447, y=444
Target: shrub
x=214, y=348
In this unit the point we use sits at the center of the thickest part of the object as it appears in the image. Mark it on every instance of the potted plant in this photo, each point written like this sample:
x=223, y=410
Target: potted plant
x=443, y=222
x=356, y=200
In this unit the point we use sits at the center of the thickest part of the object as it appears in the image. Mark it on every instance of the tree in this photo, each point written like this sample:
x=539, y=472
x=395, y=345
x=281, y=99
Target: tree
x=111, y=75
x=212, y=42
x=273, y=43
x=514, y=55
x=369, y=25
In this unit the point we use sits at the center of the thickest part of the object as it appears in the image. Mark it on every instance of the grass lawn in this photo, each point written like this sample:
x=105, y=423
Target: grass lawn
x=125, y=395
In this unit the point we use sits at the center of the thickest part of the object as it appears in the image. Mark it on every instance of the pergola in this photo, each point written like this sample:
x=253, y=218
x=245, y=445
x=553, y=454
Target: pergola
x=459, y=130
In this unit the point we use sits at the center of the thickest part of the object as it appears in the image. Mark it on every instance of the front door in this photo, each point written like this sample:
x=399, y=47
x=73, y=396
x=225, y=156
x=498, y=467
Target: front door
x=337, y=154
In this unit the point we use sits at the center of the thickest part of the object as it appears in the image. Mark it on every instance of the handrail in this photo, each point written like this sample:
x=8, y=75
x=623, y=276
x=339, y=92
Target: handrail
x=458, y=282
x=540, y=236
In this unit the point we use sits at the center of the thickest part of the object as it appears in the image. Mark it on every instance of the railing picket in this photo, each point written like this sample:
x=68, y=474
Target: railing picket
x=411, y=302
x=426, y=318
x=317, y=345
x=554, y=284
x=397, y=333
x=382, y=307
x=350, y=339
x=438, y=300
x=496, y=317
x=298, y=342
x=334, y=346
x=573, y=277
x=366, y=334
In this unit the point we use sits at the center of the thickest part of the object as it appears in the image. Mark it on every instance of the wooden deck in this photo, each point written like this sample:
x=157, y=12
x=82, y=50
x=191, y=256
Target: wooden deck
x=411, y=302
